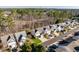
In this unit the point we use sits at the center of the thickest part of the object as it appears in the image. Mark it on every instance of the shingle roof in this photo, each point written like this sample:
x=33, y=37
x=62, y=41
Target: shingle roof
x=5, y=38
x=19, y=34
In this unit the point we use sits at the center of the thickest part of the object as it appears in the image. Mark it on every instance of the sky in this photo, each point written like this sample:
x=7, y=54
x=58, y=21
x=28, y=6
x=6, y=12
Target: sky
x=57, y=7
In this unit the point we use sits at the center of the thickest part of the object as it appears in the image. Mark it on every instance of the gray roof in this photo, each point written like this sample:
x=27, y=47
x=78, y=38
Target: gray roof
x=20, y=33
x=4, y=39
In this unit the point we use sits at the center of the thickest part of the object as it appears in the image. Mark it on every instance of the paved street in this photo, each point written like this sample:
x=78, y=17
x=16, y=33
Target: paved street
x=51, y=41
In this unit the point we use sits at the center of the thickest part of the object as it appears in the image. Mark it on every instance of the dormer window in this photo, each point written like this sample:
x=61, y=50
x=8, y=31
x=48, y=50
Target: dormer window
x=20, y=38
x=50, y=27
x=36, y=30
x=57, y=25
x=8, y=38
x=44, y=28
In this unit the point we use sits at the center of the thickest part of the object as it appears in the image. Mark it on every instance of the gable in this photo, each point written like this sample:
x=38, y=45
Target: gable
x=6, y=39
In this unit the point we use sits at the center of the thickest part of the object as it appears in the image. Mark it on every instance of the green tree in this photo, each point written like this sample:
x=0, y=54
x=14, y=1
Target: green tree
x=37, y=48
x=14, y=13
x=27, y=46
x=32, y=47
x=59, y=15
x=6, y=22
x=40, y=48
x=38, y=13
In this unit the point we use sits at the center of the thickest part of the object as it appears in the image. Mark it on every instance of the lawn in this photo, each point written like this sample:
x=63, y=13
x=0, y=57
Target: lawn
x=36, y=41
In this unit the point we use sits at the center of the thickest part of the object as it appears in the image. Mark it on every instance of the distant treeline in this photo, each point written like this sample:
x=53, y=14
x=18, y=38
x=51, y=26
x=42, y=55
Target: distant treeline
x=34, y=17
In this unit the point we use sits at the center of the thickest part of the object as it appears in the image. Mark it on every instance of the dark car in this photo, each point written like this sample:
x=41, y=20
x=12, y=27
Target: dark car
x=14, y=50
x=76, y=48
x=63, y=42
x=52, y=48
x=76, y=34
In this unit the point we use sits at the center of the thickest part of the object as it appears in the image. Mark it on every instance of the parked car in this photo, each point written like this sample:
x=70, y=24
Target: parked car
x=52, y=48
x=76, y=48
x=63, y=42
x=76, y=35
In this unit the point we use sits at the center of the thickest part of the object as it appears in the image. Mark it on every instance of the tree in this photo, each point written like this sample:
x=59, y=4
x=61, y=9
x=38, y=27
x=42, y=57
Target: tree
x=14, y=13
x=59, y=16
x=33, y=47
x=5, y=21
x=27, y=46
x=10, y=22
x=37, y=48
x=38, y=13
x=40, y=48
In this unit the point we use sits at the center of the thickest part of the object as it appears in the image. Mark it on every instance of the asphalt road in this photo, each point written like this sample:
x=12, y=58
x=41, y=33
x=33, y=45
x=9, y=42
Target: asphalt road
x=51, y=41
